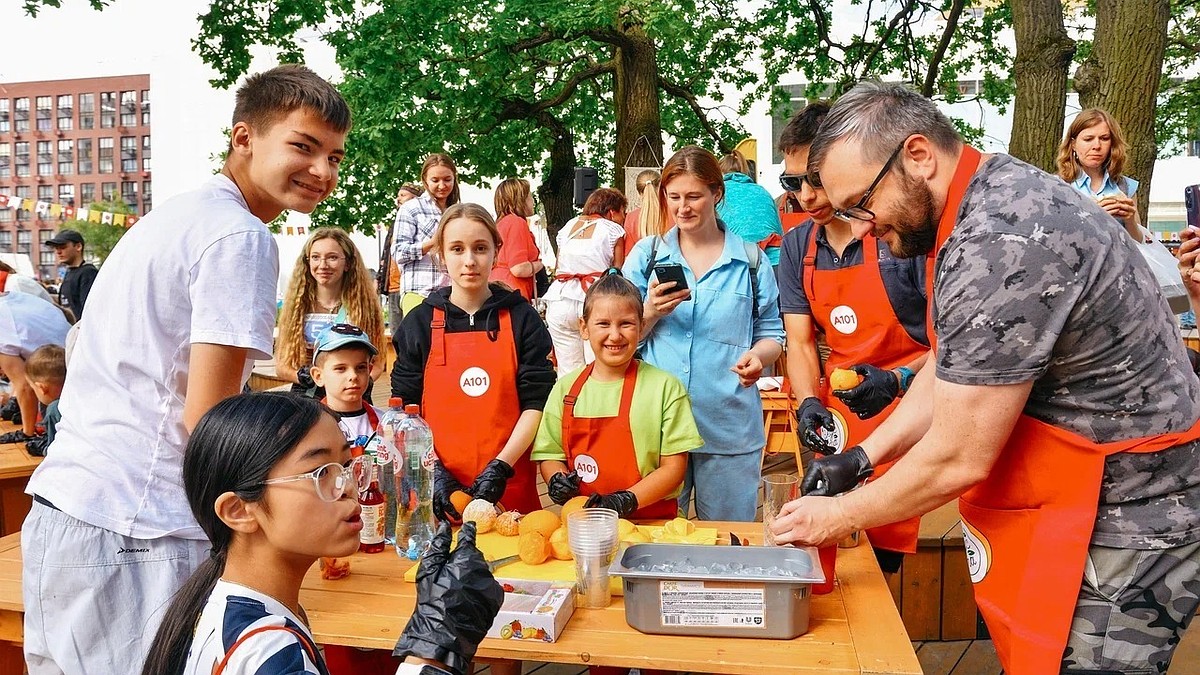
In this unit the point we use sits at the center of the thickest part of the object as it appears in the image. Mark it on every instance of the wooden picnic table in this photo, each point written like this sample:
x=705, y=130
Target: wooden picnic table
x=16, y=466
x=855, y=629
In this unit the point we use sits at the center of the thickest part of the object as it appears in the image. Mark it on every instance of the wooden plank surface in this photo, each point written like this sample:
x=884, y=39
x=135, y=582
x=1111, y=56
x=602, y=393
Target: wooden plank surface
x=921, y=592
x=14, y=461
x=940, y=658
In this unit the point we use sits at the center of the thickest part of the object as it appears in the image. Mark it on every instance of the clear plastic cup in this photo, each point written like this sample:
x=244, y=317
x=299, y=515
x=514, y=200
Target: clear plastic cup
x=592, y=536
x=778, y=489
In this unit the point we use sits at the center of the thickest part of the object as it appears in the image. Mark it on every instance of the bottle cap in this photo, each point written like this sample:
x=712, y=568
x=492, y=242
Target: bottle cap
x=395, y=402
x=412, y=409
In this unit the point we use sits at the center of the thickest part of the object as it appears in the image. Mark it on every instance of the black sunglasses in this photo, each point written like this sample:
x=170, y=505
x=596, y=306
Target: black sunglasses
x=793, y=182
x=346, y=329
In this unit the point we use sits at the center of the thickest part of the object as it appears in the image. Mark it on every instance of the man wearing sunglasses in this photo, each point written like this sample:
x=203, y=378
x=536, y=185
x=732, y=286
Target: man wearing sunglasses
x=869, y=309
x=1061, y=409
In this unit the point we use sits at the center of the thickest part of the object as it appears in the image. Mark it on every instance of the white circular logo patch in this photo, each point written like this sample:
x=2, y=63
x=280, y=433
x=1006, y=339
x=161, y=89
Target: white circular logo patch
x=843, y=319
x=474, y=381
x=979, y=552
x=587, y=468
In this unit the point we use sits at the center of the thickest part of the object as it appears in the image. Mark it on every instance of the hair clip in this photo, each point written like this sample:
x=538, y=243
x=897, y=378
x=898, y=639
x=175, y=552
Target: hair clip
x=612, y=270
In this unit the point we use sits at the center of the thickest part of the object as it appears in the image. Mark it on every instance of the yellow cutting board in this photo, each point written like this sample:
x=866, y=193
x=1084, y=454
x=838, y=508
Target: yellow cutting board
x=494, y=546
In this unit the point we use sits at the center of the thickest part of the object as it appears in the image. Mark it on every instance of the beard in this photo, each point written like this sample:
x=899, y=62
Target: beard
x=914, y=227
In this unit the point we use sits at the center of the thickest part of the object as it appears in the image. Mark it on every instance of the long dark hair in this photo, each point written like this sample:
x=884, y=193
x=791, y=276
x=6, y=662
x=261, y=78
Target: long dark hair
x=232, y=450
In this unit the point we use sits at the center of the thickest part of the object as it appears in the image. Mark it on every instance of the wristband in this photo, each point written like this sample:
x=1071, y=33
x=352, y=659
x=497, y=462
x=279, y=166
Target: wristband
x=906, y=377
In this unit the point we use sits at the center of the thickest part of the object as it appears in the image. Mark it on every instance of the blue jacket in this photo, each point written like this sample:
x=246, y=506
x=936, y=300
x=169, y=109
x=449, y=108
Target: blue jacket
x=749, y=212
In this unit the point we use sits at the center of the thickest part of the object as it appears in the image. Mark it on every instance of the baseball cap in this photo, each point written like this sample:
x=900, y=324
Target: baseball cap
x=339, y=335
x=65, y=237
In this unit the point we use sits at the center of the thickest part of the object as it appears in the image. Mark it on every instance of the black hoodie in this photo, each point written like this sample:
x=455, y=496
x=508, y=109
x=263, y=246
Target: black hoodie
x=535, y=374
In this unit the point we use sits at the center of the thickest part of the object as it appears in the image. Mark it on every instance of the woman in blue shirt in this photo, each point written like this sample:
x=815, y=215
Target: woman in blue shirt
x=1092, y=158
x=715, y=336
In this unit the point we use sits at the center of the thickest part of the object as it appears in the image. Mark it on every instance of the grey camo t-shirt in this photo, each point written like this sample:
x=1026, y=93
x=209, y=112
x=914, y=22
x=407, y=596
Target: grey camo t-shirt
x=1038, y=283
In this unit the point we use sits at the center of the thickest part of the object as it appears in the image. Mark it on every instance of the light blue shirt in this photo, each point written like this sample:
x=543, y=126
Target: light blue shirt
x=1083, y=183
x=701, y=340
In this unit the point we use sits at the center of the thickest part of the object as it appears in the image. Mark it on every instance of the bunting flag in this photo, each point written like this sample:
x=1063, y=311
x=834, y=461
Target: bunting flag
x=106, y=217
x=118, y=219
x=42, y=208
x=48, y=209
x=56, y=210
x=3, y=201
x=93, y=216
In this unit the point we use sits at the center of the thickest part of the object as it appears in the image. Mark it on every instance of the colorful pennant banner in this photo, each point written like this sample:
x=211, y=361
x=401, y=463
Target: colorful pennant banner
x=53, y=210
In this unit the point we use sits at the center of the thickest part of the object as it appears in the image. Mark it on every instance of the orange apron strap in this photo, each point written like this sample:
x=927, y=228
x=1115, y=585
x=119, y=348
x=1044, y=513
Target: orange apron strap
x=627, y=388
x=569, y=402
x=810, y=265
x=312, y=655
x=437, y=338
x=3, y=280
x=968, y=164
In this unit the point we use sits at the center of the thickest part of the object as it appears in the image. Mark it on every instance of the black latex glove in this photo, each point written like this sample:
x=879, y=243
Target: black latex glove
x=11, y=411
x=623, y=502
x=490, y=483
x=17, y=436
x=304, y=376
x=835, y=474
x=444, y=484
x=877, y=390
x=37, y=445
x=811, y=416
x=457, y=600
x=562, y=487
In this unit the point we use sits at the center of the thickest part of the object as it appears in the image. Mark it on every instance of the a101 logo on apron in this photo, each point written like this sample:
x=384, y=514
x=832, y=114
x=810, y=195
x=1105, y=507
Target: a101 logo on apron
x=474, y=381
x=587, y=468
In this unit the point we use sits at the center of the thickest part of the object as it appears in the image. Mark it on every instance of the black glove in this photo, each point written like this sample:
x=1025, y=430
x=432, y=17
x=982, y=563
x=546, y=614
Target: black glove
x=877, y=390
x=37, y=445
x=17, y=436
x=562, y=487
x=304, y=376
x=457, y=600
x=490, y=483
x=623, y=502
x=811, y=416
x=835, y=474
x=444, y=484
x=11, y=411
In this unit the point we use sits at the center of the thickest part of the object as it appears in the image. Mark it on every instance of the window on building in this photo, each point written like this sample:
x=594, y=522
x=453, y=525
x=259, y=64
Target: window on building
x=5, y=214
x=108, y=191
x=21, y=114
x=129, y=193
x=21, y=152
x=47, y=257
x=45, y=158
x=23, y=192
x=793, y=94
x=24, y=241
x=145, y=107
x=66, y=157
x=129, y=161
x=5, y=120
x=66, y=112
x=45, y=193
x=45, y=111
x=5, y=160
x=87, y=111
x=66, y=194
x=85, y=156
x=129, y=109
x=106, y=155
x=87, y=194
x=146, y=197
x=44, y=236
x=6, y=241
x=108, y=109
x=145, y=153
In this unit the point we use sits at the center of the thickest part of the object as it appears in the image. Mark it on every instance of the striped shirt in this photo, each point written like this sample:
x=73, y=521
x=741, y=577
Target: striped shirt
x=234, y=610
x=416, y=221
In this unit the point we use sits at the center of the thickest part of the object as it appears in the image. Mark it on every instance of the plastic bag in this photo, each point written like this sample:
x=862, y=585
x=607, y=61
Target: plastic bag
x=1166, y=272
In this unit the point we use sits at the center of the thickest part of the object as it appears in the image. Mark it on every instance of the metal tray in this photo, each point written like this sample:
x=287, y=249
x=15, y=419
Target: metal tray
x=721, y=605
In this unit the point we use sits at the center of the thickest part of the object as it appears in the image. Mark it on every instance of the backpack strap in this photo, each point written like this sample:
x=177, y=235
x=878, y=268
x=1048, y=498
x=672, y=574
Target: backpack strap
x=653, y=258
x=304, y=642
x=3, y=280
x=754, y=255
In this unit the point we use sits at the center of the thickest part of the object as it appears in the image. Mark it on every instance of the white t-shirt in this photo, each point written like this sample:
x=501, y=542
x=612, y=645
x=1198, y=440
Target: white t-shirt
x=577, y=255
x=28, y=322
x=200, y=268
x=361, y=428
x=234, y=610
x=24, y=284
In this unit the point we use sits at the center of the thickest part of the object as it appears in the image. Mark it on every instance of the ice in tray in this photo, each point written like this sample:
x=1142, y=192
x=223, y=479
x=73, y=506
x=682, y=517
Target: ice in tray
x=731, y=569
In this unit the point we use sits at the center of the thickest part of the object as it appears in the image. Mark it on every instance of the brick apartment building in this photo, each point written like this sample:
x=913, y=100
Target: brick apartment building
x=71, y=142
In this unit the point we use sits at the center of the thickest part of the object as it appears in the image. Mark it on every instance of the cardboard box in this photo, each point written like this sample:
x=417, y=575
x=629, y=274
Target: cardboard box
x=533, y=610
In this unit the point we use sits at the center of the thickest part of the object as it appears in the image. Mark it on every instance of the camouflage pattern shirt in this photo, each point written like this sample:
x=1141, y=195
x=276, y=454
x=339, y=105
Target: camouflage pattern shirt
x=1037, y=283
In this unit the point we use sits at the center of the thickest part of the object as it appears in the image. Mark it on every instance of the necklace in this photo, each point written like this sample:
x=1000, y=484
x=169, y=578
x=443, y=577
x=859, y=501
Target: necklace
x=327, y=308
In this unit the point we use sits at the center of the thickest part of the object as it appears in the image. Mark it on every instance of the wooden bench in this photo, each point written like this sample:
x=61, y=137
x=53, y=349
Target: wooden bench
x=16, y=466
x=933, y=589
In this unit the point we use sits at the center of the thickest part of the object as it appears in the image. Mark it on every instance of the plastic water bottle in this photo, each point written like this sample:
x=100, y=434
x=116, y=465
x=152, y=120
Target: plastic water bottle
x=414, y=504
x=390, y=463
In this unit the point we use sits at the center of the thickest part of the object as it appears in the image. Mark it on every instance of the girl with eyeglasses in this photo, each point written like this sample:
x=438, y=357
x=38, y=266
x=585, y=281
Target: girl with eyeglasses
x=330, y=284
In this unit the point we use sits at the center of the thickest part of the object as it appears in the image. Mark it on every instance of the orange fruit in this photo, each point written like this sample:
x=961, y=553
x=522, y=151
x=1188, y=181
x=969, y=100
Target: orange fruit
x=482, y=513
x=533, y=548
x=842, y=379
x=573, y=504
x=507, y=523
x=559, y=547
x=539, y=521
x=460, y=500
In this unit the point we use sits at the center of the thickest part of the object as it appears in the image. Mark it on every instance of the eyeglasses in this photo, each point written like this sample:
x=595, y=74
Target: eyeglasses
x=793, y=182
x=330, y=259
x=330, y=480
x=860, y=211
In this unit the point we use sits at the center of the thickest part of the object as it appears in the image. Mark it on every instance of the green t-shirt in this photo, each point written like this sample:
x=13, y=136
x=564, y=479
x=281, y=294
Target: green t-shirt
x=660, y=415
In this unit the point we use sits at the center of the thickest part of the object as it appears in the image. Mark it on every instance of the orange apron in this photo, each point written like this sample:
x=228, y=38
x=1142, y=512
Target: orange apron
x=601, y=449
x=1025, y=529
x=792, y=219
x=471, y=405
x=860, y=326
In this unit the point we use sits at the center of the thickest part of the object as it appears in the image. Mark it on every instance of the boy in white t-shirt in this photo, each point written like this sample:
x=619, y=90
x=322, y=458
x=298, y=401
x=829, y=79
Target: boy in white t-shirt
x=342, y=365
x=181, y=309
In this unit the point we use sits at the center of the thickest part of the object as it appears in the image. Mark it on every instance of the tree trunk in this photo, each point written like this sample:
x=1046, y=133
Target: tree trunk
x=557, y=189
x=1044, y=52
x=637, y=103
x=1122, y=75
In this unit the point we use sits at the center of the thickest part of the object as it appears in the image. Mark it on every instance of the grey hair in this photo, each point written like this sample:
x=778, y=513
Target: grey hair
x=879, y=117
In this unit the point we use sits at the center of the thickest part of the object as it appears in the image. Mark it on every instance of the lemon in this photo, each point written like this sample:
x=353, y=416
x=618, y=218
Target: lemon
x=680, y=527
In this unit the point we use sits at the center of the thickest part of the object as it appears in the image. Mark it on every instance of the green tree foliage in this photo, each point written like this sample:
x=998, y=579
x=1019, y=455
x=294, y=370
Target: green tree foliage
x=101, y=238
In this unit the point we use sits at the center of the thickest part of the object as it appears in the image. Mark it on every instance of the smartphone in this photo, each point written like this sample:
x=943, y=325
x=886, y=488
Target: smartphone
x=1191, y=202
x=671, y=272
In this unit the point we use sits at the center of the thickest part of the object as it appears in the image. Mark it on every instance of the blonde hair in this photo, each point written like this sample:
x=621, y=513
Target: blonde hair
x=1068, y=166
x=358, y=297
x=468, y=211
x=512, y=196
x=734, y=162
x=650, y=216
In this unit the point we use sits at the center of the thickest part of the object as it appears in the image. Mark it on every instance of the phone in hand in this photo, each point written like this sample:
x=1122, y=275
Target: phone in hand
x=671, y=272
x=1191, y=202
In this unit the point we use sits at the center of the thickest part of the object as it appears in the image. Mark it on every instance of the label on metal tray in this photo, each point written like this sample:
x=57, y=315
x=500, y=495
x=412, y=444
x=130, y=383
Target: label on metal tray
x=691, y=603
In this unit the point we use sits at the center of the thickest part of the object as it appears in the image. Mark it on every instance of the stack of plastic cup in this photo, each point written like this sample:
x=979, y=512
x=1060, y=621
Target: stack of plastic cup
x=592, y=535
